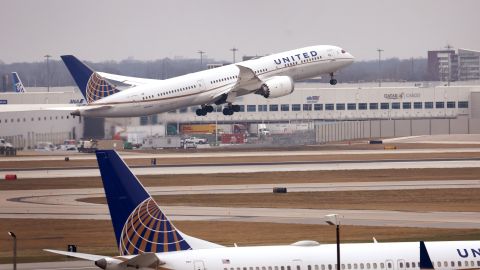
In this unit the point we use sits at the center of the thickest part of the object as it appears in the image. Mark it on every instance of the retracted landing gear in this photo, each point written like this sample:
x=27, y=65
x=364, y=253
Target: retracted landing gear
x=333, y=81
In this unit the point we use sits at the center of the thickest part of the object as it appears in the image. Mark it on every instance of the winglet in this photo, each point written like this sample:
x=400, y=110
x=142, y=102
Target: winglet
x=17, y=83
x=425, y=261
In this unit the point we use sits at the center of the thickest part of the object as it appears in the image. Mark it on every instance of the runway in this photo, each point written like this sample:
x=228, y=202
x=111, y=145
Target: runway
x=260, y=167
x=135, y=155
x=64, y=204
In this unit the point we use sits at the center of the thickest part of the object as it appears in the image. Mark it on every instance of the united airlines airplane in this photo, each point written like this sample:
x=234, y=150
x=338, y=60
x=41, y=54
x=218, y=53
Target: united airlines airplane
x=146, y=239
x=110, y=95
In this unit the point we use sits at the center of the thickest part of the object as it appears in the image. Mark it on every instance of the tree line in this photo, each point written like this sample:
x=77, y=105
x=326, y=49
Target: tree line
x=37, y=74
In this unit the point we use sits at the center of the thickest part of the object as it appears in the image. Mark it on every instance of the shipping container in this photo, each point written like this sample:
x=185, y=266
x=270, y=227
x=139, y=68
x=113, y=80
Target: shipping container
x=233, y=138
x=198, y=129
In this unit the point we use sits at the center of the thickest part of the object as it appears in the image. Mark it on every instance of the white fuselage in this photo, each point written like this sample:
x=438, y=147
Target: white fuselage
x=398, y=256
x=203, y=87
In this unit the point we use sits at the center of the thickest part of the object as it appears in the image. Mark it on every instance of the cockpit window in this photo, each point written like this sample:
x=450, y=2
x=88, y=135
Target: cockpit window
x=343, y=51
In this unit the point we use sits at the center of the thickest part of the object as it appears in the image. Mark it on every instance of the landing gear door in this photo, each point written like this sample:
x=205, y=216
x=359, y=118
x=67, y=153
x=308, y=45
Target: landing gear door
x=198, y=265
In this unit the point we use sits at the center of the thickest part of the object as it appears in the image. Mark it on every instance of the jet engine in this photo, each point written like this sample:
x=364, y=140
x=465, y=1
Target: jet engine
x=277, y=86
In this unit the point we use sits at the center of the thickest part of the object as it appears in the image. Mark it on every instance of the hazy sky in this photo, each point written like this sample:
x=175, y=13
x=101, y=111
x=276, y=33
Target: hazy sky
x=99, y=30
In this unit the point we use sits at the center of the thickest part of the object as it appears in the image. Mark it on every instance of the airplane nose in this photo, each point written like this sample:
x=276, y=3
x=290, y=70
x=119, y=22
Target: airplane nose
x=349, y=55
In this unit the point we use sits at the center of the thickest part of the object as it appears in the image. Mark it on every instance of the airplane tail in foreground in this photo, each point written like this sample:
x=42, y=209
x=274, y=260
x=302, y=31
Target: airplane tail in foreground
x=91, y=84
x=17, y=83
x=139, y=223
x=425, y=261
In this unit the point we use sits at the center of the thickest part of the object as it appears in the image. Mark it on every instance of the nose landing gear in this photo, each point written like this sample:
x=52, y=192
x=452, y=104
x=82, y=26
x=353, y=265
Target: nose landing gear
x=333, y=81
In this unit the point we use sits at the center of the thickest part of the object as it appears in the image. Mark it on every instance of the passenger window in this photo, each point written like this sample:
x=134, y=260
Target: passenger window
x=459, y=263
x=264, y=268
x=374, y=265
x=282, y=268
x=330, y=267
x=309, y=267
x=349, y=266
x=355, y=266
x=323, y=267
x=382, y=265
x=368, y=265
x=288, y=267
x=316, y=266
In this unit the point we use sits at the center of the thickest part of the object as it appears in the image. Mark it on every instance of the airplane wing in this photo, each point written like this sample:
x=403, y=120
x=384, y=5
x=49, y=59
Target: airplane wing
x=132, y=81
x=246, y=77
x=36, y=107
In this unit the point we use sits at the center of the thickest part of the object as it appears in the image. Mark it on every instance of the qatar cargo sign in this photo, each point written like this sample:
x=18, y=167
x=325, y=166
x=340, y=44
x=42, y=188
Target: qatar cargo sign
x=401, y=95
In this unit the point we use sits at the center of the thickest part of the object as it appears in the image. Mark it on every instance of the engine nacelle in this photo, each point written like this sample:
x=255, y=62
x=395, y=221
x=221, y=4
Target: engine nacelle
x=109, y=264
x=277, y=86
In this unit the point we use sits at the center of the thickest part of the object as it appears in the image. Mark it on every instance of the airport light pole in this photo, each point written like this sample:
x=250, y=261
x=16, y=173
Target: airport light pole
x=201, y=56
x=234, y=50
x=333, y=219
x=379, y=67
x=14, y=249
x=48, y=71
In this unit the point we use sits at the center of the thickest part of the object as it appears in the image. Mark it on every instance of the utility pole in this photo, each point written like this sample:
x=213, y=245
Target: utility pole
x=14, y=249
x=334, y=220
x=48, y=71
x=379, y=67
x=201, y=57
x=234, y=50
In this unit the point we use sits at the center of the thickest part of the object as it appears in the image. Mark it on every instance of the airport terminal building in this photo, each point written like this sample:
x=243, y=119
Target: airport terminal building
x=333, y=112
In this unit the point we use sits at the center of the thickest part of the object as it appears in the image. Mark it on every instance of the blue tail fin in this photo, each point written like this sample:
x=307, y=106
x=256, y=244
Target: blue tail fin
x=425, y=261
x=17, y=83
x=139, y=224
x=92, y=85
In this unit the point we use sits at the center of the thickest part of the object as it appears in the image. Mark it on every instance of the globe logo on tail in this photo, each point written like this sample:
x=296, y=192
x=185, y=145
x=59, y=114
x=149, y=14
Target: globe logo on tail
x=19, y=88
x=147, y=229
x=98, y=88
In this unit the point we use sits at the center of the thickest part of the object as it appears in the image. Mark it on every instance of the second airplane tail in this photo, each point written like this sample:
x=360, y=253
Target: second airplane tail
x=139, y=223
x=17, y=83
x=91, y=84
x=140, y=226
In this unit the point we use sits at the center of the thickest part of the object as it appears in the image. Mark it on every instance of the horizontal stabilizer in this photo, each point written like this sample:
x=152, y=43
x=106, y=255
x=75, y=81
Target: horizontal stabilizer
x=84, y=256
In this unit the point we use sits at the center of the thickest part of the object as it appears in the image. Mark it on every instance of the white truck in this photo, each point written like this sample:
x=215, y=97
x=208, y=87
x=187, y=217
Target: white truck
x=156, y=142
x=260, y=130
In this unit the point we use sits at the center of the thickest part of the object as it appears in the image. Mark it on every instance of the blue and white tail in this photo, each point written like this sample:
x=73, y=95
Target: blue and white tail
x=92, y=85
x=17, y=83
x=139, y=223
